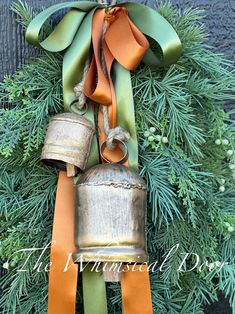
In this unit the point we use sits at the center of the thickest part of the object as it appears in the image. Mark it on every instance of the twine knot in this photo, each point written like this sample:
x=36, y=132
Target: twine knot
x=117, y=133
x=78, y=89
x=112, y=14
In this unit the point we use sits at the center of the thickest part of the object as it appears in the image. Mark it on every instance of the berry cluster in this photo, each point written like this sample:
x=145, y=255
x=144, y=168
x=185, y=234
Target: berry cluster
x=153, y=138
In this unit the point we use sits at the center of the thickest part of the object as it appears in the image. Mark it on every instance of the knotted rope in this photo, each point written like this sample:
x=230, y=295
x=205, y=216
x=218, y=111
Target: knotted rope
x=78, y=89
x=118, y=132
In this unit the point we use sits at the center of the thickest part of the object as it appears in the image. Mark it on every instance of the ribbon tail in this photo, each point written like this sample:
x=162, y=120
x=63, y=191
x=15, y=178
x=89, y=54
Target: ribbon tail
x=75, y=58
x=136, y=291
x=63, y=284
x=96, y=85
x=73, y=66
x=94, y=292
x=135, y=286
x=126, y=111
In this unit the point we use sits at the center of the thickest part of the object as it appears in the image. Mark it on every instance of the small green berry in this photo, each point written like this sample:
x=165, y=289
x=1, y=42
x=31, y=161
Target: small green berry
x=152, y=129
x=232, y=166
x=164, y=140
x=211, y=266
x=222, y=181
x=6, y=265
x=227, y=224
x=225, y=142
x=218, y=142
x=151, y=138
x=222, y=188
x=146, y=134
x=229, y=152
x=158, y=138
x=230, y=229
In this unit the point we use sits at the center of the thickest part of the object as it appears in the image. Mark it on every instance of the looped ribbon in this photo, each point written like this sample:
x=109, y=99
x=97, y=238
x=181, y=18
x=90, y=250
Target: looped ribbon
x=73, y=35
x=124, y=47
x=122, y=41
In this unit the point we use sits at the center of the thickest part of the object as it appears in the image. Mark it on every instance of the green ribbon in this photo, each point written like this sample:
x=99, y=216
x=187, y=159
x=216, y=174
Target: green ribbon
x=94, y=291
x=73, y=36
x=155, y=26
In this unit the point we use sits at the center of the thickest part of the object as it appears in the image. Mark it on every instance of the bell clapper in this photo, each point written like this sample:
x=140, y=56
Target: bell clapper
x=110, y=273
x=71, y=170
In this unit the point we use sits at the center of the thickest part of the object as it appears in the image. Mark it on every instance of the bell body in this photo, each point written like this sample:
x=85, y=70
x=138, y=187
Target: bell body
x=68, y=140
x=110, y=215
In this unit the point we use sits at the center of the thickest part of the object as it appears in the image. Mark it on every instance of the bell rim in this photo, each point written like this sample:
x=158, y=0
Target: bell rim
x=53, y=160
x=114, y=254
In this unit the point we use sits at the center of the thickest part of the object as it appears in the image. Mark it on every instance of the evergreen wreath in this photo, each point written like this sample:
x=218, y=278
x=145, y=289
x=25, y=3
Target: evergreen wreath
x=186, y=154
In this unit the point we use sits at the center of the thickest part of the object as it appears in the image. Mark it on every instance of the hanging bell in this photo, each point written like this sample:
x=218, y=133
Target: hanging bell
x=110, y=215
x=67, y=143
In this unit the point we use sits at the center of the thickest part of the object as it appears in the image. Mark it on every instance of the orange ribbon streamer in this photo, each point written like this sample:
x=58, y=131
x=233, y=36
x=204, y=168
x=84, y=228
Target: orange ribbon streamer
x=136, y=291
x=121, y=40
x=62, y=297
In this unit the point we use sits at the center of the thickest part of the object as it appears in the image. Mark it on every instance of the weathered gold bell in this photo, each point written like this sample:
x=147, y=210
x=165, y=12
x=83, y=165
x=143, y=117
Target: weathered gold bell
x=110, y=215
x=67, y=141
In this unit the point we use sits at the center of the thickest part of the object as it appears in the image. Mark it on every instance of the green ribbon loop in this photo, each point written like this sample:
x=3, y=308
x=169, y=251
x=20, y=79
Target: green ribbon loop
x=64, y=32
x=155, y=26
x=73, y=34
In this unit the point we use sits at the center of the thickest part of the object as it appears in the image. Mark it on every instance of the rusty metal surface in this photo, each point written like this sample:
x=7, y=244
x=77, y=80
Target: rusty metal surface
x=110, y=215
x=68, y=140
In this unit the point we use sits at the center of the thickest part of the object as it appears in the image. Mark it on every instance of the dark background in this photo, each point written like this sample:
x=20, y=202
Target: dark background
x=219, y=17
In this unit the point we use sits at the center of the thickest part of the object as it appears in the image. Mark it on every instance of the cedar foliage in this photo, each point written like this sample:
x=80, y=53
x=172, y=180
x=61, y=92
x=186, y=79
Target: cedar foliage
x=180, y=118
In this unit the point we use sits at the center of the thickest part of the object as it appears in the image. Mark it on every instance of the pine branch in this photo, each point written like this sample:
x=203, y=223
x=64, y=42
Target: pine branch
x=184, y=172
x=24, y=13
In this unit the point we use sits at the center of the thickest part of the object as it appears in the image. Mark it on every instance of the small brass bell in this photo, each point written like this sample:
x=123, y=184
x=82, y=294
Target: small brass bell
x=67, y=142
x=110, y=215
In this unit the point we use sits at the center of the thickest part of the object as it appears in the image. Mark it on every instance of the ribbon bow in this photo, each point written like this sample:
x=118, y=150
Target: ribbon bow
x=123, y=42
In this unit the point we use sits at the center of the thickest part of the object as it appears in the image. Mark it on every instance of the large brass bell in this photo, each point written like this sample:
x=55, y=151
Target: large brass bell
x=110, y=215
x=67, y=141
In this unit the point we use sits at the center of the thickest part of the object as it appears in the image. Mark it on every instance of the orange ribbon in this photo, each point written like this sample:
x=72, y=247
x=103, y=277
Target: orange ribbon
x=62, y=297
x=136, y=291
x=121, y=40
